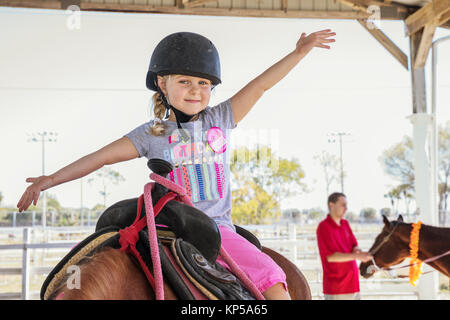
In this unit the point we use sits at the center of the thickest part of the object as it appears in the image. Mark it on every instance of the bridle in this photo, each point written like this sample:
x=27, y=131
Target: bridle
x=378, y=247
x=385, y=239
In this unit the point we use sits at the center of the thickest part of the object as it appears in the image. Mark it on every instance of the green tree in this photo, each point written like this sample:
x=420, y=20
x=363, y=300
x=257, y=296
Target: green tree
x=315, y=214
x=253, y=205
x=1, y=197
x=330, y=165
x=394, y=198
x=106, y=175
x=52, y=203
x=386, y=212
x=292, y=213
x=402, y=191
x=259, y=180
x=368, y=214
x=98, y=207
x=397, y=161
x=351, y=216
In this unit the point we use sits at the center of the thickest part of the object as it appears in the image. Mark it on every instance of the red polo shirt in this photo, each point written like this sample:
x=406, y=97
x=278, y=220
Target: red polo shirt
x=338, y=277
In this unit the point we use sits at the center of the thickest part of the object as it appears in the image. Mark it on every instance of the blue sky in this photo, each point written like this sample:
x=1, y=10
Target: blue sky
x=88, y=85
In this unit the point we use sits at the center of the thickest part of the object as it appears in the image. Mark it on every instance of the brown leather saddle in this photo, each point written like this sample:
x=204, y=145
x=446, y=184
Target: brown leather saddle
x=189, y=243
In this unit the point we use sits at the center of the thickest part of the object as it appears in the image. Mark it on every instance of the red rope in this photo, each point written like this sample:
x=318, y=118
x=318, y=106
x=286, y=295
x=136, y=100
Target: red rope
x=129, y=236
x=162, y=202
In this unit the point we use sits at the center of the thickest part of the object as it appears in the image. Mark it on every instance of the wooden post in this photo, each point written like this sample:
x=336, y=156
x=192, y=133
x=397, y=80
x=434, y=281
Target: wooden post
x=25, y=265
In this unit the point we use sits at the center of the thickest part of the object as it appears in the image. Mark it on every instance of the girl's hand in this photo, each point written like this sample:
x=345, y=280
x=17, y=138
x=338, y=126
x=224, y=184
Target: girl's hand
x=315, y=39
x=31, y=194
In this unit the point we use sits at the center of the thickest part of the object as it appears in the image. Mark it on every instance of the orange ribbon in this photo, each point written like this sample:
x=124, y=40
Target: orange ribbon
x=416, y=265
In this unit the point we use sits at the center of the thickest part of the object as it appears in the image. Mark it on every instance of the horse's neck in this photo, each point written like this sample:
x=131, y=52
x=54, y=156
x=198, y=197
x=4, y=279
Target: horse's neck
x=434, y=241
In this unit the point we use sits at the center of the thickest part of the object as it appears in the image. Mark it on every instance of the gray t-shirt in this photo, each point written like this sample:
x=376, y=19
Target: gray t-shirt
x=203, y=172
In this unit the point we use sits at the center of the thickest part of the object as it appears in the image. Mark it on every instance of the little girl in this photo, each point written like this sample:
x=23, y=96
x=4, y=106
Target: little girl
x=189, y=134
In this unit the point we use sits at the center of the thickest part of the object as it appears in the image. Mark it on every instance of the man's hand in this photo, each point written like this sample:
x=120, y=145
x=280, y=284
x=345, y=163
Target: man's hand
x=315, y=39
x=363, y=256
x=356, y=250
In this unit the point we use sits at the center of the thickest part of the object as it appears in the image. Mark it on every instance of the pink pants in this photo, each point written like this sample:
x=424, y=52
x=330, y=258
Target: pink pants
x=257, y=265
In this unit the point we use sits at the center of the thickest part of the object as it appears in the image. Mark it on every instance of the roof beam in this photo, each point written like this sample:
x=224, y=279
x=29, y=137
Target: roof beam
x=434, y=13
x=196, y=3
x=40, y=4
x=141, y=8
x=388, y=10
x=232, y=12
x=180, y=8
x=426, y=41
x=387, y=43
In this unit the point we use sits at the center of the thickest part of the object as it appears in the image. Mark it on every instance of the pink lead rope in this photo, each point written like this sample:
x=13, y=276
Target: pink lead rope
x=153, y=239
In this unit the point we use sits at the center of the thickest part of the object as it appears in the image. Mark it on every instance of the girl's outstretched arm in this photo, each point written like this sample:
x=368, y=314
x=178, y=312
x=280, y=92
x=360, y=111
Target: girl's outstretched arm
x=117, y=151
x=246, y=98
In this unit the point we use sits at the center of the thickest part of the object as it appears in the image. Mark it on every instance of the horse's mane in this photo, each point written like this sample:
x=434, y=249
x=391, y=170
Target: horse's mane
x=435, y=229
x=109, y=274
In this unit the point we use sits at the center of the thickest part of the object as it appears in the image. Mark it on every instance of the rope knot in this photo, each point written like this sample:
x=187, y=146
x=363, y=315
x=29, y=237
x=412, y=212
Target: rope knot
x=128, y=237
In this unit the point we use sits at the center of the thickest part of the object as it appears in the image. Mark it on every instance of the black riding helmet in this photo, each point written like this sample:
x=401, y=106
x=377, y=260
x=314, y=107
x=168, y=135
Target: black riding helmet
x=183, y=53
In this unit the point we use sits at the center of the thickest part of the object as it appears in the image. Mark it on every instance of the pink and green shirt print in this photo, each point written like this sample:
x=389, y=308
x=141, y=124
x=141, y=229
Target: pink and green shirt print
x=200, y=163
x=197, y=167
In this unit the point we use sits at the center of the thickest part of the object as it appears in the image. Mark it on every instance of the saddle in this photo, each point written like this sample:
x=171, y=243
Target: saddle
x=188, y=240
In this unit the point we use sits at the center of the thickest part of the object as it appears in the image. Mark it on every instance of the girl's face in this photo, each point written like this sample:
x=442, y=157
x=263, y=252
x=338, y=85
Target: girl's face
x=186, y=93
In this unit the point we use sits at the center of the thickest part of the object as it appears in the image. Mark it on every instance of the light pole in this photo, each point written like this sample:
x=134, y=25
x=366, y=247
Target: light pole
x=332, y=139
x=43, y=137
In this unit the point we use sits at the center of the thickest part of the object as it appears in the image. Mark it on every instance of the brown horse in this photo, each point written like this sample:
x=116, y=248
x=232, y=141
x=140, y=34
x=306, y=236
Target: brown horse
x=111, y=274
x=391, y=247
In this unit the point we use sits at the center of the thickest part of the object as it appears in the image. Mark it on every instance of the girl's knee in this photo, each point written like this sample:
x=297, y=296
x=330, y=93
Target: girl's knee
x=277, y=292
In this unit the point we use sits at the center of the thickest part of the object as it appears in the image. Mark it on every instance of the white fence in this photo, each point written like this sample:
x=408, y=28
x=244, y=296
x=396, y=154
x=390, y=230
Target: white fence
x=33, y=240
x=41, y=249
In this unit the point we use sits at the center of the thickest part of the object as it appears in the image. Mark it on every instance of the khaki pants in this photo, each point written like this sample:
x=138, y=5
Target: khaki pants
x=350, y=296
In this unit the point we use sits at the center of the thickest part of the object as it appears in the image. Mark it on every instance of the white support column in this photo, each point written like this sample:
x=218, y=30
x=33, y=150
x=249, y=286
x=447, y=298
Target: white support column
x=425, y=197
x=425, y=170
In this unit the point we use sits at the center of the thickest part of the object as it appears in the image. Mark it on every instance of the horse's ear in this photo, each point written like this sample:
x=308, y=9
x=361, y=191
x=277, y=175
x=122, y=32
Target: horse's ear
x=400, y=218
x=386, y=221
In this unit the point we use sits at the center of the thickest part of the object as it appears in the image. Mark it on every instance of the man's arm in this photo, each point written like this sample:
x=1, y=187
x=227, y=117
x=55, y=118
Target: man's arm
x=344, y=257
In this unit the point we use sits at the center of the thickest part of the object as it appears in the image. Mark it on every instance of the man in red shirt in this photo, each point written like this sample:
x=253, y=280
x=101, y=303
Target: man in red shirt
x=339, y=251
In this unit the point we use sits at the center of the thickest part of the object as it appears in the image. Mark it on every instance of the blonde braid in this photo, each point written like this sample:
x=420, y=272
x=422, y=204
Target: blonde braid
x=159, y=111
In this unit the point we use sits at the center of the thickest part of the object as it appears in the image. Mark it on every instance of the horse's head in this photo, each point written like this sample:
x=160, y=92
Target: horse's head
x=390, y=247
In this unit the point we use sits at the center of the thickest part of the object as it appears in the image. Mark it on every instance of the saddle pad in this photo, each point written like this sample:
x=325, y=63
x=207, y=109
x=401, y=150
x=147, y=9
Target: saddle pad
x=212, y=277
x=96, y=241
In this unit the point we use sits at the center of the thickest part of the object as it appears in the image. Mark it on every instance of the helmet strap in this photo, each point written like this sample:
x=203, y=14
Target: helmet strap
x=180, y=116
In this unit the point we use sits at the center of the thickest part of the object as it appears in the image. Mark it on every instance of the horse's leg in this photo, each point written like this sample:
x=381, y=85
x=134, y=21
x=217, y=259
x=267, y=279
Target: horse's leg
x=297, y=285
